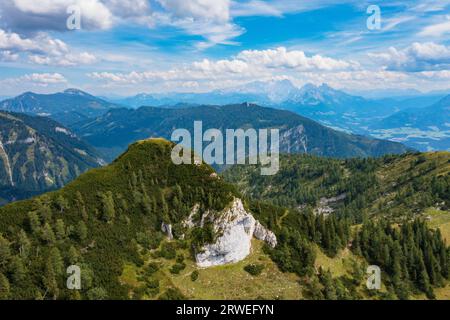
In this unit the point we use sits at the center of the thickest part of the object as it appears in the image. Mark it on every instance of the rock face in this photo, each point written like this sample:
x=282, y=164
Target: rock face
x=236, y=228
x=263, y=234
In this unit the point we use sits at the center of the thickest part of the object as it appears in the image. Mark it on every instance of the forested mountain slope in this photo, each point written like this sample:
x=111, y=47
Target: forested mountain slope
x=38, y=154
x=396, y=186
x=113, y=131
x=108, y=222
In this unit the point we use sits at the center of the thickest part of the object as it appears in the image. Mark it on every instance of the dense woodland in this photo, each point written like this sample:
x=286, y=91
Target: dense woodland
x=112, y=216
x=380, y=218
x=400, y=186
x=100, y=221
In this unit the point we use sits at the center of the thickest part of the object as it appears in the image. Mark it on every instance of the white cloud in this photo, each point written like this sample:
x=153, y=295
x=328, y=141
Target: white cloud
x=36, y=79
x=255, y=7
x=416, y=57
x=389, y=24
x=64, y=60
x=8, y=56
x=295, y=59
x=436, y=30
x=215, y=74
x=206, y=10
x=209, y=19
x=31, y=15
x=42, y=49
x=233, y=66
x=441, y=75
x=45, y=78
x=249, y=63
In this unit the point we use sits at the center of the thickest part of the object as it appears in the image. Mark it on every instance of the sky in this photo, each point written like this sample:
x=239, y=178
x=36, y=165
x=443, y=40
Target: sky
x=125, y=47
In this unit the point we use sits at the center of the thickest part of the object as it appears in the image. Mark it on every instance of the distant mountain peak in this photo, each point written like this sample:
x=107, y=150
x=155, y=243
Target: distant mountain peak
x=76, y=92
x=69, y=106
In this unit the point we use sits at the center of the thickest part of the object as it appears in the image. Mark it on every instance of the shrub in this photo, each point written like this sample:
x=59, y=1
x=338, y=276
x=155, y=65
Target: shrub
x=152, y=287
x=180, y=258
x=168, y=251
x=151, y=268
x=194, y=275
x=177, y=267
x=172, y=294
x=254, y=269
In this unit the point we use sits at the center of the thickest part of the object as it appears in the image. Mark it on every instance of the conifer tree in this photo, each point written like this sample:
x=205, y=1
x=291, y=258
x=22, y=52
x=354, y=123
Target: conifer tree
x=4, y=287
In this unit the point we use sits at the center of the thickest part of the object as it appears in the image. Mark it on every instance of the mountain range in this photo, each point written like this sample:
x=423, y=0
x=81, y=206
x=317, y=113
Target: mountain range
x=112, y=132
x=66, y=107
x=38, y=154
x=330, y=107
x=424, y=128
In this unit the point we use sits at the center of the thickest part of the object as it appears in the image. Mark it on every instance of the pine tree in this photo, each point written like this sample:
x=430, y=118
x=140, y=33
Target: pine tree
x=57, y=261
x=73, y=255
x=81, y=230
x=24, y=244
x=34, y=222
x=60, y=229
x=61, y=203
x=47, y=233
x=329, y=289
x=49, y=280
x=108, y=208
x=18, y=270
x=5, y=252
x=4, y=287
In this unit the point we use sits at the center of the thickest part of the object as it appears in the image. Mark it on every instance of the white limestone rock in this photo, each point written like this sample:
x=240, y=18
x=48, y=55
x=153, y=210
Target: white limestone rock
x=236, y=228
x=261, y=233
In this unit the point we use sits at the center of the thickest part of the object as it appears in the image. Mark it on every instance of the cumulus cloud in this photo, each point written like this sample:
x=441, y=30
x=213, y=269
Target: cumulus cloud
x=246, y=66
x=30, y=15
x=36, y=79
x=8, y=56
x=221, y=66
x=64, y=60
x=416, y=57
x=210, y=19
x=441, y=75
x=42, y=49
x=295, y=59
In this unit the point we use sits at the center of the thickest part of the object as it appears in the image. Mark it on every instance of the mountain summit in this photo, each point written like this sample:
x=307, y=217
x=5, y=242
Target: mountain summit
x=116, y=214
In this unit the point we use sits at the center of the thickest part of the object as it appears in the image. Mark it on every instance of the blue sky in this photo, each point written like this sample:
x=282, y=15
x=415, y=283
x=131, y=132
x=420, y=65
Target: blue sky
x=130, y=46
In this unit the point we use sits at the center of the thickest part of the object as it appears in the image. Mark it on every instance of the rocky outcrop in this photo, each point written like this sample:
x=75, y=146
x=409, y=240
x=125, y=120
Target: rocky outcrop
x=167, y=230
x=325, y=206
x=261, y=233
x=235, y=228
x=294, y=140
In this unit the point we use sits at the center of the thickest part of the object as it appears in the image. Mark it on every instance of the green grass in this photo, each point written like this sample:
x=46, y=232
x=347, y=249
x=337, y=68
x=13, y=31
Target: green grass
x=338, y=265
x=223, y=282
x=440, y=219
